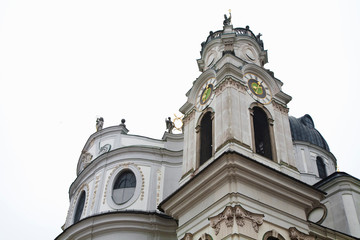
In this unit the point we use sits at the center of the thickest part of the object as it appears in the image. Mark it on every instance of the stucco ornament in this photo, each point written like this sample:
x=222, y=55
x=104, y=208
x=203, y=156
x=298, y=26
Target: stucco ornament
x=85, y=160
x=188, y=236
x=240, y=215
x=297, y=235
x=205, y=236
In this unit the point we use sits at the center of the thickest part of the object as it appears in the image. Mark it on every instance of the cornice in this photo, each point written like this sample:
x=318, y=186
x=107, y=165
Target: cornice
x=232, y=166
x=134, y=220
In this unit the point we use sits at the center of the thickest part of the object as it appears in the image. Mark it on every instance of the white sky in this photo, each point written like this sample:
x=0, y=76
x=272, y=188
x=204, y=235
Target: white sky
x=63, y=63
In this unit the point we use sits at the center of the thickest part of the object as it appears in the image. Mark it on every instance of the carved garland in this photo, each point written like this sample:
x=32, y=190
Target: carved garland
x=95, y=190
x=240, y=214
x=297, y=235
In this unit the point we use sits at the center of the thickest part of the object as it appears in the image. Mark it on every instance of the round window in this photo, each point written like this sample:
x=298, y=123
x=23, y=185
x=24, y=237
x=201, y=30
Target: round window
x=124, y=187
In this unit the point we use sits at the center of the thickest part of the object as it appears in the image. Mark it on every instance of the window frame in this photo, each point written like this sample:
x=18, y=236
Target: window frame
x=198, y=136
x=270, y=122
x=117, y=173
x=82, y=192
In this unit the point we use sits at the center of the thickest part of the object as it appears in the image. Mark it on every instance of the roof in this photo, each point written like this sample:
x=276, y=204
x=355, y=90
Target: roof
x=303, y=129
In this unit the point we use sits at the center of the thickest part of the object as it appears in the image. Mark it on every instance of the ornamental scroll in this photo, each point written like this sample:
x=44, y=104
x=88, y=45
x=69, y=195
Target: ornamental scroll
x=297, y=235
x=240, y=215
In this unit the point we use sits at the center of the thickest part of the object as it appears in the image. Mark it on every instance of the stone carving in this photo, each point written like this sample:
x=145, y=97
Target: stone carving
x=260, y=41
x=99, y=124
x=229, y=217
x=297, y=235
x=229, y=82
x=188, y=236
x=205, y=236
x=104, y=149
x=240, y=215
x=85, y=160
x=227, y=20
x=169, y=125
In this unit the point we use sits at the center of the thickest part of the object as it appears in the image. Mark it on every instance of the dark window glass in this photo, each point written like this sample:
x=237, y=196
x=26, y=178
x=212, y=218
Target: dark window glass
x=321, y=167
x=124, y=187
x=205, y=138
x=262, y=133
x=79, y=207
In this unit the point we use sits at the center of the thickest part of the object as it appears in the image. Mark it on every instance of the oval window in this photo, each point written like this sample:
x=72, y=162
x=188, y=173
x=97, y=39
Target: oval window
x=124, y=187
x=79, y=207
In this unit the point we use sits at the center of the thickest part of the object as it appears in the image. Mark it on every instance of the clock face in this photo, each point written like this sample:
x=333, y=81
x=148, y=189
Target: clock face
x=206, y=94
x=257, y=88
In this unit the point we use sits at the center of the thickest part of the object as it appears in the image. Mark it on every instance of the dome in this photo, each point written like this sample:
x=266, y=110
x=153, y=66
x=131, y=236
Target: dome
x=303, y=129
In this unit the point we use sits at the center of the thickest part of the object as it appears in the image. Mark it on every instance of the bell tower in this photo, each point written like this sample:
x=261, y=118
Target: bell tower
x=239, y=170
x=238, y=102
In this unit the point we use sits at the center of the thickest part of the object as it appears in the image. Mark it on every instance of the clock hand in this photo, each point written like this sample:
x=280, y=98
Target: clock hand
x=258, y=87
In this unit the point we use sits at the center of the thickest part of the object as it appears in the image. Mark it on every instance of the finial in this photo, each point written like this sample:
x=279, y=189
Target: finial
x=123, y=122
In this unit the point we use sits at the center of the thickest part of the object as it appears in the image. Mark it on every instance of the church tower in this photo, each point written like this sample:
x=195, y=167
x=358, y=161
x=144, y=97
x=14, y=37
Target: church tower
x=240, y=176
x=242, y=169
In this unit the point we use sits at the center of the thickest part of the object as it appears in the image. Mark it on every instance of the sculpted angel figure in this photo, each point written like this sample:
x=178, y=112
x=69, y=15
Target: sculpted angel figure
x=169, y=125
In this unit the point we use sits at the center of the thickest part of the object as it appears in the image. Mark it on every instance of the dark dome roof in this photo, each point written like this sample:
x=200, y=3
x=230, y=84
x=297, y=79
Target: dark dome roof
x=303, y=129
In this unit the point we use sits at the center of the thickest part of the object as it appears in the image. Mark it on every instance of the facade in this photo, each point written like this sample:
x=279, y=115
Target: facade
x=242, y=169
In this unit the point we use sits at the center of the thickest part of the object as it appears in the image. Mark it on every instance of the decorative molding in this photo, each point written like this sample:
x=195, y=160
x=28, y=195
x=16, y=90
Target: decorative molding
x=297, y=235
x=188, y=236
x=86, y=158
x=104, y=149
x=239, y=214
x=273, y=233
x=205, y=236
x=229, y=82
x=235, y=141
x=188, y=117
x=95, y=190
x=158, y=187
x=281, y=108
x=83, y=187
x=125, y=166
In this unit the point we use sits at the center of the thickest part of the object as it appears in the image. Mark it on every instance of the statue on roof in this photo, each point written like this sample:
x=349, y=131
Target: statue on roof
x=169, y=125
x=99, y=124
x=227, y=20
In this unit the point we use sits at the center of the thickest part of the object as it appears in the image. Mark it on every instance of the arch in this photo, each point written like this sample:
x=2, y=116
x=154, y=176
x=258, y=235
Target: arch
x=273, y=235
x=79, y=206
x=321, y=167
x=262, y=132
x=204, y=130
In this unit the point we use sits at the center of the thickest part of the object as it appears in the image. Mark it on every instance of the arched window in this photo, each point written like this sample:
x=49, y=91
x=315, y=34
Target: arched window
x=124, y=187
x=321, y=167
x=79, y=207
x=262, y=133
x=273, y=235
x=206, y=143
